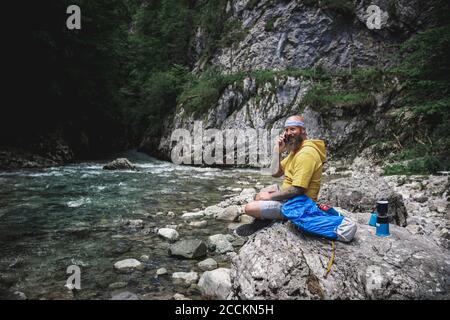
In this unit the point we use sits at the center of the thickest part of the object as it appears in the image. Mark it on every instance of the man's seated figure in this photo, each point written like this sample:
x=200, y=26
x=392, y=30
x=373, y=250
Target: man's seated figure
x=302, y=170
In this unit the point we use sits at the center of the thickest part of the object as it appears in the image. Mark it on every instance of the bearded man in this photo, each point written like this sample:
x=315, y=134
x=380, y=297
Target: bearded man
x=302, y=170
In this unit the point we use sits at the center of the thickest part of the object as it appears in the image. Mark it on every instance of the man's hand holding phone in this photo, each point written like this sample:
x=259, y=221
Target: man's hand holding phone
x=281, y=143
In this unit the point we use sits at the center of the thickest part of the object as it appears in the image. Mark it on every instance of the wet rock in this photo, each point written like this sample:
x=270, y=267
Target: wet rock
x=185, y=278
x=215, y=283
x=198, y=224
x=128, y=265
x=280, y=262
x=135, y=224
x=207, y=264
x=190, y=249
x=117, y=285
x=120, y=164
x=125, y=296
x=213, y=211
x=219, y=243
x=20, y=295
x=161, y=271
x=179, y=296
x=169, y=234
x=230, y=213
x=192, y=215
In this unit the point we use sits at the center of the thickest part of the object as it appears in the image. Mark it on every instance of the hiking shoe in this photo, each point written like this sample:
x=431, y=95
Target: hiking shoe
x=248, y=229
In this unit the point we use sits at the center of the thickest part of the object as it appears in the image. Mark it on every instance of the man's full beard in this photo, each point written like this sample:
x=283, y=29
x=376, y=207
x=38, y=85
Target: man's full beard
x=294, y=143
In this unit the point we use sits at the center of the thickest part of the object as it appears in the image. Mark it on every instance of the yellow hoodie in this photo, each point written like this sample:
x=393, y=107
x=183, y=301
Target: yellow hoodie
x=304, y=168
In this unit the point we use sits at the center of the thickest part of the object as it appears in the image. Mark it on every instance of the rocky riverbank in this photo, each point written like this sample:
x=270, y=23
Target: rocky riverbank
x=279, y=262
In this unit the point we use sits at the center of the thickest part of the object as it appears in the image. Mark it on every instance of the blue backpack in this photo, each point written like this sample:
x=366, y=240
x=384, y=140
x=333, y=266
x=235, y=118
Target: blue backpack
x=308, y=217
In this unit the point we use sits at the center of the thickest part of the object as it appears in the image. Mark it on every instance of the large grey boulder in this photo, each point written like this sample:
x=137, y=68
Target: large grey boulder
x=216, y=283
x=189, y=249
x=361, y=194
x=282, y=263
x=120, y=164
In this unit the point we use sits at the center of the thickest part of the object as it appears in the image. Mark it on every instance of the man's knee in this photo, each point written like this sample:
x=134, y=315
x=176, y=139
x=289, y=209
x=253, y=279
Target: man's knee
x=252, y=209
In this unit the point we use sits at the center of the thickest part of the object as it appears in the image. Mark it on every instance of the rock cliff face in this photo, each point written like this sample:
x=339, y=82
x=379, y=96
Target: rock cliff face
x=300, y=34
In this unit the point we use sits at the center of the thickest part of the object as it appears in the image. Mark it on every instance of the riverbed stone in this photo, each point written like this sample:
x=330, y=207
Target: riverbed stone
x=161, y=271
x=219, y=243
x=117, y=285
x=192, y=215
x=120, y=164
x=169, y=234
x=230, y=213
x=213, y=210
x=128, y=265
x=179, y=296
x=207, y=264
x=215, y=283
x=198, y=224
x=189, y=249
x=125, y=296
x=185, y=278
x=135, y=224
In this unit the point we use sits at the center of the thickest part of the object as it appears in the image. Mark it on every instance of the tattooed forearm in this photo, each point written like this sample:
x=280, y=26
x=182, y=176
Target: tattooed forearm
x=290, y=192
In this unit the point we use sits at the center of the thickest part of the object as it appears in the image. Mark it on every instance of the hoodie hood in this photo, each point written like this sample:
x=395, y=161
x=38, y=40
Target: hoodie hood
x=318, y=145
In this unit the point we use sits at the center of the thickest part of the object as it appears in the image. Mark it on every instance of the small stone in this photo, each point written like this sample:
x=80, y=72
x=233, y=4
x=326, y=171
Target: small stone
x=207, y=264
x=172, y=226
x=144, y=257
x=190, y=249
x=20, y=295
x=179, y=296
x=186, y=278
x=125, y=296
x=168, y=233
x=213, y=210
x=136, y=224
x=198, y=224
x=219, y=243
x=230, y=213
x=117, y=285
x=161, y=271
x=192, y=215
x=128, y=265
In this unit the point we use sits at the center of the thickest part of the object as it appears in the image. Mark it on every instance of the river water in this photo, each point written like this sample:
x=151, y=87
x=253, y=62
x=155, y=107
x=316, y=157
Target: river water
x=77, y=215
